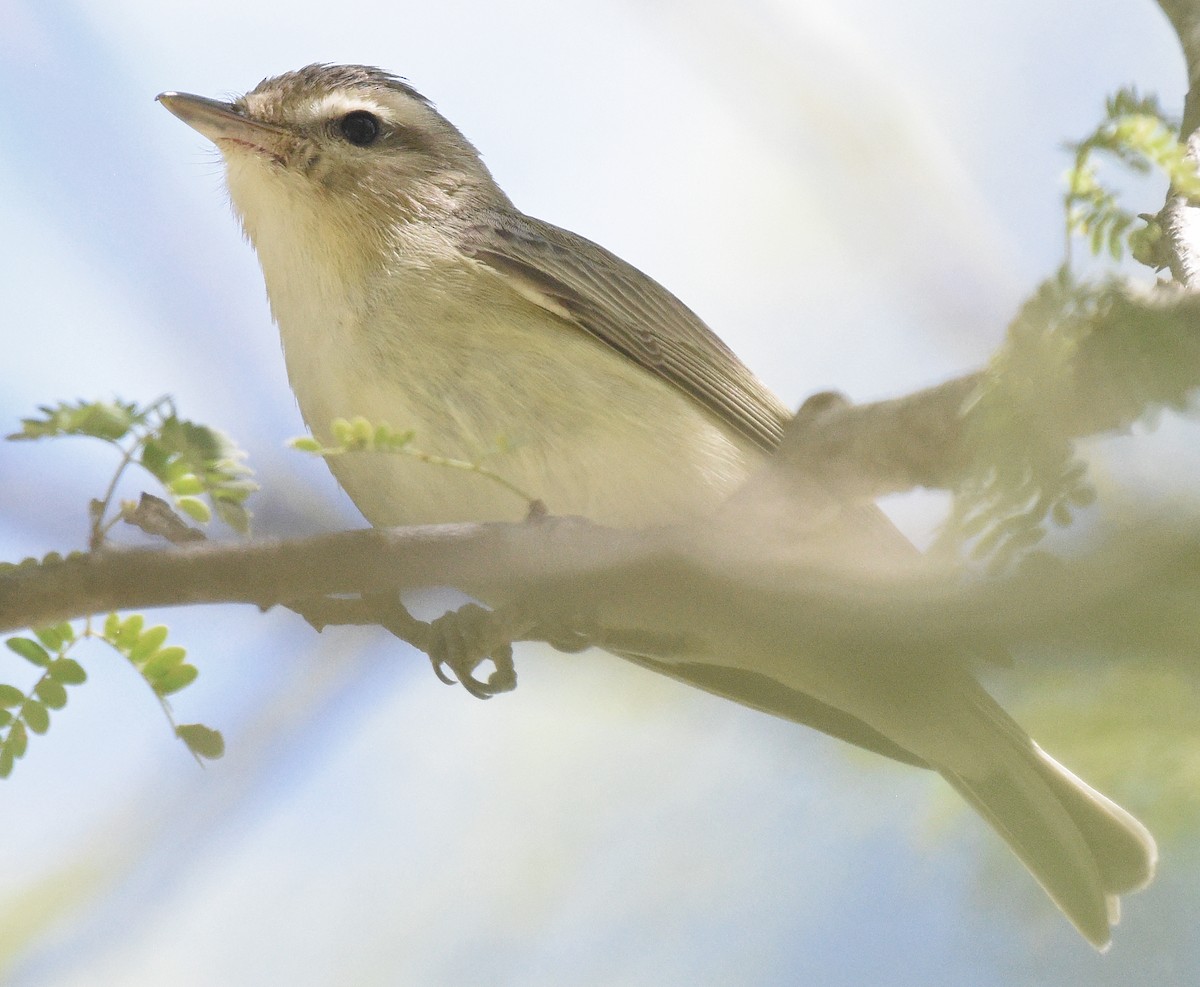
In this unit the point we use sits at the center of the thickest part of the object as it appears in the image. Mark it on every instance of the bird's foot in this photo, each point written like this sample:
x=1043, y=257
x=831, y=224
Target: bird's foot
x=460, y=641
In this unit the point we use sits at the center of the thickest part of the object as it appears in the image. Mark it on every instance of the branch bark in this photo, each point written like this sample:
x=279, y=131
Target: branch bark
x=690, y=584
x=1181, y=218
x=1139, y=353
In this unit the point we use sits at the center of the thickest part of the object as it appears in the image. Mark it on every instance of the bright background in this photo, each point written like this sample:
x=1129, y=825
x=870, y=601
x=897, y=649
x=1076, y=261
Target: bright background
x=853, y=194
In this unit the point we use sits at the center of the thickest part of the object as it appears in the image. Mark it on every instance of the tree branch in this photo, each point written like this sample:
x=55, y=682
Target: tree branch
x=1180, y=218
x=1137, y=353
x=691, y=584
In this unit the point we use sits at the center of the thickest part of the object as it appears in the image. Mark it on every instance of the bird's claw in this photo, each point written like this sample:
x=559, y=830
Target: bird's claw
x=459, y=642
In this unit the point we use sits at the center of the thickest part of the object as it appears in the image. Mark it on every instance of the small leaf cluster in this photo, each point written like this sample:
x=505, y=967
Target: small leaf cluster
x=357, y=435
x=1024, y=471
x=360, y=435
x=1075, y=344
x=1080, y=357
x=193, y=461
x=1139, y=134
x=201, y=469
x=108, y=420
x=163, y=667
x=23, y=713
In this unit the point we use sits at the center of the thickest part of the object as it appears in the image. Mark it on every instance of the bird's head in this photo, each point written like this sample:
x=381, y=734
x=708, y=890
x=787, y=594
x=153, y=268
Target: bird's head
x=338, y=147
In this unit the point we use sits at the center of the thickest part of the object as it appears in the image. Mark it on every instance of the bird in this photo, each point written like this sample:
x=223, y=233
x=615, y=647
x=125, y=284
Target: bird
x=409, y=289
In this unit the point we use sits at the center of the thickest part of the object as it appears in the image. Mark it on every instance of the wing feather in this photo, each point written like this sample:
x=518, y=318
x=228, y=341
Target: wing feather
x=623, y=308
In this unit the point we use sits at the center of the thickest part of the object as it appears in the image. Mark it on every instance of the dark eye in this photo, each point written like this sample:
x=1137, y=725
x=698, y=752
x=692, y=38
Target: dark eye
x=360, y=128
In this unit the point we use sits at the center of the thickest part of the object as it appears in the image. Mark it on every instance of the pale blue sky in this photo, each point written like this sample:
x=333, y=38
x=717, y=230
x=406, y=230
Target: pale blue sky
x=853, y=194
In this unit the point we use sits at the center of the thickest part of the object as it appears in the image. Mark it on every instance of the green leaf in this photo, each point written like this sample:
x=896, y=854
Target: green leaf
x=55, y=636
x=50, y=637
x=194, y=443
x=5, y=717
x=109, y=420
x=10, y=695
x=105, y=420
x=305, y=443
x=196, y=509
x=67, y=671
x=18, y=740
x=51, y=693
x=193, y=460
x=232, y=490
x=149, y=642
x=35, y=716
x=155, y=458
x=6, y=762
x=130, y=631
x=174, y=679
x=392, y=441
x=163, y=661
x=30, y=650
x=187, y=485
x=112, y=627
x=201, y=740
x=178, y=469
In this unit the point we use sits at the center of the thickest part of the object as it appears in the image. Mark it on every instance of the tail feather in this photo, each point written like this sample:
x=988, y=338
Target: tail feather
x=1082, y=848
x=1123, y=847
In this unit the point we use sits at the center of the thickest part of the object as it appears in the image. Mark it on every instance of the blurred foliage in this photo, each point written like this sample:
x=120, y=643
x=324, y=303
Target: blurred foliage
x=202, y=472
x=1137, y=133
x=1130, y=728
x=200, y=468
x=163, y=667
x=1023, y=469
x=1081, y=356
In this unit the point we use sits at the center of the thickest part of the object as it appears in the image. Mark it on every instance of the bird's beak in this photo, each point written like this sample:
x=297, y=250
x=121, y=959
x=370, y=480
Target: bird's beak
x=221, y=123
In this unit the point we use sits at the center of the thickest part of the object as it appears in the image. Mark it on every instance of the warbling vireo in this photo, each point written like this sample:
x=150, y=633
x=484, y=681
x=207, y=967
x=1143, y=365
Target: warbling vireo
x=409, y=289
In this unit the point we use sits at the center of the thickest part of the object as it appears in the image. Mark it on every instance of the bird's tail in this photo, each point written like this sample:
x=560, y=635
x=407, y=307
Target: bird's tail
x=1082, y=848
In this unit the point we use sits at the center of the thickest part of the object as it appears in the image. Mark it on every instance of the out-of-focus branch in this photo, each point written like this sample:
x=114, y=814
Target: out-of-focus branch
x=869, y=450
x=1179, y=218
x=1138, y=589
x=1139, y=353
x=1184, y=16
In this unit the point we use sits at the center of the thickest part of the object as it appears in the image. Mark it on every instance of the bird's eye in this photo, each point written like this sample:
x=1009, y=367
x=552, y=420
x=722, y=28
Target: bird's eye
x=360, y=128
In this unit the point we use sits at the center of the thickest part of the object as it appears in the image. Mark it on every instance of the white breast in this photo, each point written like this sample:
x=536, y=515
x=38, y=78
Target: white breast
x=431, y=342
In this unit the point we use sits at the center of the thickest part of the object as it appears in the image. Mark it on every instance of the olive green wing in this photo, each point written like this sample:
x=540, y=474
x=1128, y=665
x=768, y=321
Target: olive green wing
x=613, y=301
